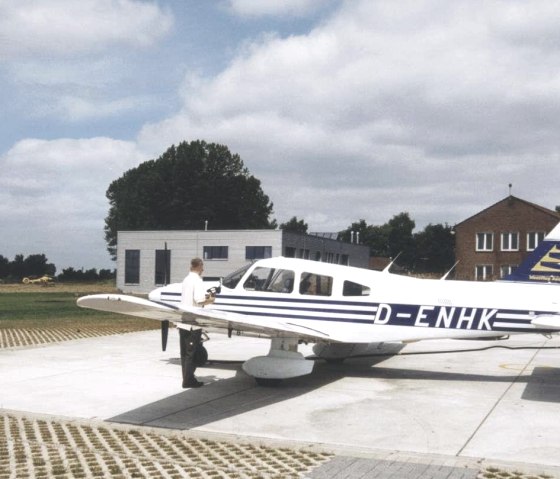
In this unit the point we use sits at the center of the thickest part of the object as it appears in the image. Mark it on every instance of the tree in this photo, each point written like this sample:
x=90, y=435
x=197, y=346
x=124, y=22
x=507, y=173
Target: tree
x=294, y=225
x=388, y=240
x=189, y=185
x=435, y=248
x=429, y=251
x=4, y=267
x=400, y=239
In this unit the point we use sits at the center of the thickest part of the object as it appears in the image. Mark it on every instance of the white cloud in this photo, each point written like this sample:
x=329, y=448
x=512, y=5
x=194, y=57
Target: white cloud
x=67, y=27
x=384, y=108
x=258, y=8
x=53, y=197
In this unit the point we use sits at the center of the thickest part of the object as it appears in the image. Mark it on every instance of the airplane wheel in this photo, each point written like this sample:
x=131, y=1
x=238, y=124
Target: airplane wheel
x=201, y=356
x=268, y=382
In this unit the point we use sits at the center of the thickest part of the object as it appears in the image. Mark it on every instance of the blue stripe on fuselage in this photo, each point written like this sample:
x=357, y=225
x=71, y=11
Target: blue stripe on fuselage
x=411, y=315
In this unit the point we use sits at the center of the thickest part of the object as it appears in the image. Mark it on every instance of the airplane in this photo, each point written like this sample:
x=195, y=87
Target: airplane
x=343, y=310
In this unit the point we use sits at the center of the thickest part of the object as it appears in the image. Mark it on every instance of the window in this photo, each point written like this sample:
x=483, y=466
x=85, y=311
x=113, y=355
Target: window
x=132, y=266
x=533, y=239
x=163, y=266
x=215, y=252
x=510, y=241
x=355, y=289
x=271, y=280
x=507, y=269
x=315, y=284
x=303, y=253
x=258, y=252
x=484, y=241
x=483, y=272
x=289, y=252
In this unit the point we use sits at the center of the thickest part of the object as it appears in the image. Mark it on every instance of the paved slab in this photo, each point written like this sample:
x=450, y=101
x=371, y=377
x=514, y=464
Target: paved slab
x=436, y=397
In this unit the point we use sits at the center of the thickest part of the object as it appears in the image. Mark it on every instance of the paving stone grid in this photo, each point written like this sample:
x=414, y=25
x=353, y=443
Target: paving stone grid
x=43, y=448
x=13, y=338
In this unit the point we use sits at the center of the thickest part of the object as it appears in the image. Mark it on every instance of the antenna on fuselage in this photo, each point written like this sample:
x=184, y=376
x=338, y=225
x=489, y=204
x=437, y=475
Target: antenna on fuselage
x=444, y=277
x=388, y=267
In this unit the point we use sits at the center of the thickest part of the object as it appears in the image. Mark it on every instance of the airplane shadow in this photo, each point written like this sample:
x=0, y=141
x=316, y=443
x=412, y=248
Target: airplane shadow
x=544, y=385
x=224, y=398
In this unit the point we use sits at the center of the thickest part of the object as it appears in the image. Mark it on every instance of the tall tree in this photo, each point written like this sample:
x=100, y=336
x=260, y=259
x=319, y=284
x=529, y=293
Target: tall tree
x=294, y=225
x=435, y=248
x=189, y=184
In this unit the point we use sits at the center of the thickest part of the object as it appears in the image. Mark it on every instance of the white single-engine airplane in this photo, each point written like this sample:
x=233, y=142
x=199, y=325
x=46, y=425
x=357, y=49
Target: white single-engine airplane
x=344, y=309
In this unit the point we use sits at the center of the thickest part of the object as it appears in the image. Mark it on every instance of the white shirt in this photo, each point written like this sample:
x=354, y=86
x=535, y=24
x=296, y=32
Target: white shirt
x=193, y=292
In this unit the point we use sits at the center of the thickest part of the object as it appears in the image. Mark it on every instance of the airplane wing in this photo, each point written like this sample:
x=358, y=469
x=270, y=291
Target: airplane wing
x=203, y=317
x=547, y=321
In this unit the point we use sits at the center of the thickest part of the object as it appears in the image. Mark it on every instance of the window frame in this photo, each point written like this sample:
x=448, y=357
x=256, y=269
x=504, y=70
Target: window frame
x=536, y=237
x=132, y=259
x=215, y=253
x=484, y=247
x=254, y=252
x=507, y=269
x=507, y=241
x=487, y=272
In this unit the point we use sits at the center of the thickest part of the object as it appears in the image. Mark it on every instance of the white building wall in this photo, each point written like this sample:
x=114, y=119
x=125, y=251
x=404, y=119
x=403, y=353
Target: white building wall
x=185, y=245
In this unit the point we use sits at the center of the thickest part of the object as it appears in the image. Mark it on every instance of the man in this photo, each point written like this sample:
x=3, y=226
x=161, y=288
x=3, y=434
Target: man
x=193, y=294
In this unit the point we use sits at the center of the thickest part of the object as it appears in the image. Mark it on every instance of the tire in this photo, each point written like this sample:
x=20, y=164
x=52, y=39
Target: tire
x=201, y=356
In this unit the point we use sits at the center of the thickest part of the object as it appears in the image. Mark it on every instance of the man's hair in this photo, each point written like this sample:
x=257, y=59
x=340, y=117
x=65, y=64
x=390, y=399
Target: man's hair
x=196, y=263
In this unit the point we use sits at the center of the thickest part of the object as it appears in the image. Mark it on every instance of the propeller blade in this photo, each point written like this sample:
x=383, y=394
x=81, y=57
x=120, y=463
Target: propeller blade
x=164, y=334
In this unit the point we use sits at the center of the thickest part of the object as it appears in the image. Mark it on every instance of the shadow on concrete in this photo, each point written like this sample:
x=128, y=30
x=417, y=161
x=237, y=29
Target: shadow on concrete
x=222, y=398
x=543, y=385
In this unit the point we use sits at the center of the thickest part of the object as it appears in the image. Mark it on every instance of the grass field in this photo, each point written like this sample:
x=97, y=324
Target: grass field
x=53, y=308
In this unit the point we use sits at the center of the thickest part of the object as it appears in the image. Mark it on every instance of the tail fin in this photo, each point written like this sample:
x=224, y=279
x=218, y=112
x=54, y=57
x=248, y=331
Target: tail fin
x=543, y=264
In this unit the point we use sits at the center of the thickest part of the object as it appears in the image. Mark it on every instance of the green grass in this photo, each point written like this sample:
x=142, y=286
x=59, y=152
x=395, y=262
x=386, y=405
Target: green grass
x=58, y=309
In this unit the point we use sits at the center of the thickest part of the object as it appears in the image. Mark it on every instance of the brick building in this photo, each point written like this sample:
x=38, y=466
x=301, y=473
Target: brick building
x=490, y=244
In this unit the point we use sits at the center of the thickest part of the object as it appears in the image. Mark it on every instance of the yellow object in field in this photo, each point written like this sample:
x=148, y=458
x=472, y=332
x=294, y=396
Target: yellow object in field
x=44, y=280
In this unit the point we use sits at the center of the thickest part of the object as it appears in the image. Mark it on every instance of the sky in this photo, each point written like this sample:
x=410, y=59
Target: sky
x=344, y=109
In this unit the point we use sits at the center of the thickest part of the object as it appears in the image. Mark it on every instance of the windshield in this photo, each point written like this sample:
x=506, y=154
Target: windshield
x=232, y=280
x=271, y=280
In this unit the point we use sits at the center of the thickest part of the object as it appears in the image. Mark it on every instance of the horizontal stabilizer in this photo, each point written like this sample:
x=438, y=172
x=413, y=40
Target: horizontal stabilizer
x=547, y=321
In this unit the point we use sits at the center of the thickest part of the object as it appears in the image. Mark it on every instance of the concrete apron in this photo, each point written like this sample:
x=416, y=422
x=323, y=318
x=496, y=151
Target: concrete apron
x=501, y=404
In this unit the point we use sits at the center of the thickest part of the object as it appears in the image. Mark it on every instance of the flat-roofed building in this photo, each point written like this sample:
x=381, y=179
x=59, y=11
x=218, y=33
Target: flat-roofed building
x=147, y=259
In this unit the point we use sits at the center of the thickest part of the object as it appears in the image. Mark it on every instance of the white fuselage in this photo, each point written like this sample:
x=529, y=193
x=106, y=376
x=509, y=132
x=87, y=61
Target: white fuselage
x=364, y=306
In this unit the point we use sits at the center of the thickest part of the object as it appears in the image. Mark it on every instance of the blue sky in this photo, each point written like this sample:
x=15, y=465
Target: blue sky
x=344, y=109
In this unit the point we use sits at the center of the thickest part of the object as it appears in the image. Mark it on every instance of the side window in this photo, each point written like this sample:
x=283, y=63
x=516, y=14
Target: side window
x=215, y=252
x=132, y=266
x=315, y=284
x=258, y=252
x=354, y=289
x=270, y=280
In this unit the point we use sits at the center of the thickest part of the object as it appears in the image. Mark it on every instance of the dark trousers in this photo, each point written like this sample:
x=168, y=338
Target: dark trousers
x=189, y=342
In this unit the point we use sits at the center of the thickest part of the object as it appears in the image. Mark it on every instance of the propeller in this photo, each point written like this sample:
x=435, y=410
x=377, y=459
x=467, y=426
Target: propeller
x=164, y=334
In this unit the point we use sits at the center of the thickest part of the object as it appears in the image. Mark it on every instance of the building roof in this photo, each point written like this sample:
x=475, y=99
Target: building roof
x=514, y=198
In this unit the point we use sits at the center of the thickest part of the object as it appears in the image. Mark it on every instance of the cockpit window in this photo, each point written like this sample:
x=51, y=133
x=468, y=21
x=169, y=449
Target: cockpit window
x=233, y=279
x=315, y=284
x=354, y=289
x=271, y=280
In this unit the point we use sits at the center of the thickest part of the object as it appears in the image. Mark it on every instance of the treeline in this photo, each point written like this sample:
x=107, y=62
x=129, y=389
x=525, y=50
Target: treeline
x=431, y=250
x=37, y=265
